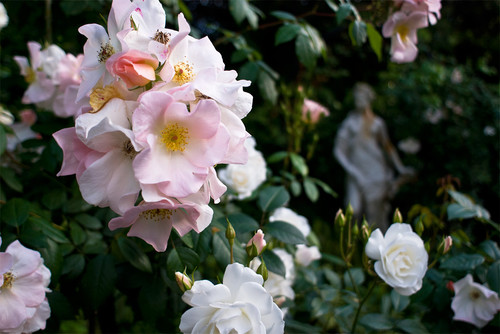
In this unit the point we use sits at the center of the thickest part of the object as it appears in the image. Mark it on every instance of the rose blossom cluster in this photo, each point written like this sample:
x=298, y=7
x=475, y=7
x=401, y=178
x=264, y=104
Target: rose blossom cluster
x=402, y=26
x=163, y=113
x=24, y=281
x=53, y=79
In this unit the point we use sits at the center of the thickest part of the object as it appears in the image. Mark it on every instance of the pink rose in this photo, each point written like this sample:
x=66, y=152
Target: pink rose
x=312, y=111
x=134, y=67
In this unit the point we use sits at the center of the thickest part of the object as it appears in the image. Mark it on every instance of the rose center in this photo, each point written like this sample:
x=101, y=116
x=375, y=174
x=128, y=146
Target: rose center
x=106, y=51
x=100, y=96
x=161, y=37
x=157, y=215
x=474, y=294
x=8, y=278
x=129, y=150
x=183, y=73
x=175, y=137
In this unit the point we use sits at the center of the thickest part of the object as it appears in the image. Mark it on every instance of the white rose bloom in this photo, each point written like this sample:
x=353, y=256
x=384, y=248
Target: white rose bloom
x=6, y=116
x=401, y=258
x=244, y=179
x=409, y=145
x=473, y=302
x=305, y=255
x=289, y=216
x=239, y=305
x=4, y=18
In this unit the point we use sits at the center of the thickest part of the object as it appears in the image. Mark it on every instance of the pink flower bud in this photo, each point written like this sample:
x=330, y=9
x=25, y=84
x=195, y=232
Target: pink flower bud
x=449, y=286
x=312, y=111
x=258, y=241
x=184, y=282
x=134, y=67
x=448, y=241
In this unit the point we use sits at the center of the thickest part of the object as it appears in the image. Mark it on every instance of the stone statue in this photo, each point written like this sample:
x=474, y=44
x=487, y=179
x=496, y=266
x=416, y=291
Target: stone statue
x=363, y=148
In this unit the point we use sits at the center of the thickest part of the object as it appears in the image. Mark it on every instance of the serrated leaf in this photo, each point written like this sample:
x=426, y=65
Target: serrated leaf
x=376, y=321
x=305, y=51
x=49, y=230
x=267, y=87
x=412, y=326
x=134, y=254
x=357, y=275
x=15, y=212
x=493, y=276
x=462, y=262
x=464, y=208
x=375, y=40
x=343, y=12
x=285, y=232
x=286, y=33
x=299, y=163
x=88, y=221
x=181, y=258
x=274, y=263
x=283, y=15
x=357, y=32
x=77, y=233
x=491, y=249
x=273, y=197
x=11, y=179
x=238, y=9
x=98, y=280
x=311, y=190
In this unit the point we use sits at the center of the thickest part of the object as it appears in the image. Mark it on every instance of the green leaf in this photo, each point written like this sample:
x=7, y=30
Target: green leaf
x=10, y=178
x=15, y=212
x=53, y=259
x=465, y=207
x=134, y=254
x=311, y=190
x=286, y=33
x=49, y=230
x=221, y=250
x=375, y=40
x=153, y=299
x=376, y=321
x=299, y=163
x=88, y=221
x=462, y=262
x=412, y=326
x=283, y=15
x=399, y=302
x=333, y=278
x=242, y=223
x=73, y=265
x=276, y=157
x=326, y=188
x=98, y=280
x=267, y=87
x=238, y=9
x=273, y=263
x=333, y=6
x=285, y=232
x=296, y=188
x=493, y=276
x=305, y=51
x=77, y=233
x=181, y=258
x=3, y=140
x=249, y=71
x=491, y=249
x=357, y=275
x=357, y=32
x=187, y=239
x=273, y=197
x=343, y=12
x=54, y=199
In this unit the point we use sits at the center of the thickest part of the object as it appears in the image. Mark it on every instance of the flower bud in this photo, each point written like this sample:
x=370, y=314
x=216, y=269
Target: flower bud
x=397, y=218
x=419, y=228
x=339, y=218
x=448, y=241
x=450, y=286
x=230, y=233
x=184, y=282
x=349, y=212
x=355, y=230
x=256, y=245
x=262, y=270
x=365, y=230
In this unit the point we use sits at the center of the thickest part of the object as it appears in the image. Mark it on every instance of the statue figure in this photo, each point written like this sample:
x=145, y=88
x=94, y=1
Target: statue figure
x=363, y=148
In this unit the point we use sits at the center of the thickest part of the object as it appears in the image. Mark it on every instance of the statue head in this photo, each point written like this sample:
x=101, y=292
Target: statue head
x=363, y=95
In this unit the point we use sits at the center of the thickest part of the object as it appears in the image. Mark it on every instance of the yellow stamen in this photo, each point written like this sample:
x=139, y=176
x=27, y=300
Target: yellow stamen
x=106, y=51
x=403, y=32
x=183, y=73
x=175, y=137
x=157, y=215
x=8, y=278
x=100, y=96
x=30, y=76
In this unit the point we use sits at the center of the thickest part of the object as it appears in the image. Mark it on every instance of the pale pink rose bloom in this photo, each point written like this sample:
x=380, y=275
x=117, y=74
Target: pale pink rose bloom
x=109, y=180
x=153, y=222
x=41, y=87
x=431, y=7
x=22, y=130
x=402, y=28
x=23, y=283
x=312, y=111
x=474, y=303
x=258, y=241
x=305, y=255
x=37, y=319
x=239, y=305
x=135, y=68
x=180, y=145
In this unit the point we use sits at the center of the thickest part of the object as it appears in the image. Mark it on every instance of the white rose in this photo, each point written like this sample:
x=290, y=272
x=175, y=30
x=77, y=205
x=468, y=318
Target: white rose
x=289, y=216
x=473, y=302
x=4, y=18
x=244, y=179
x=239, y=305
x=305, y=255
x=401, y=258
